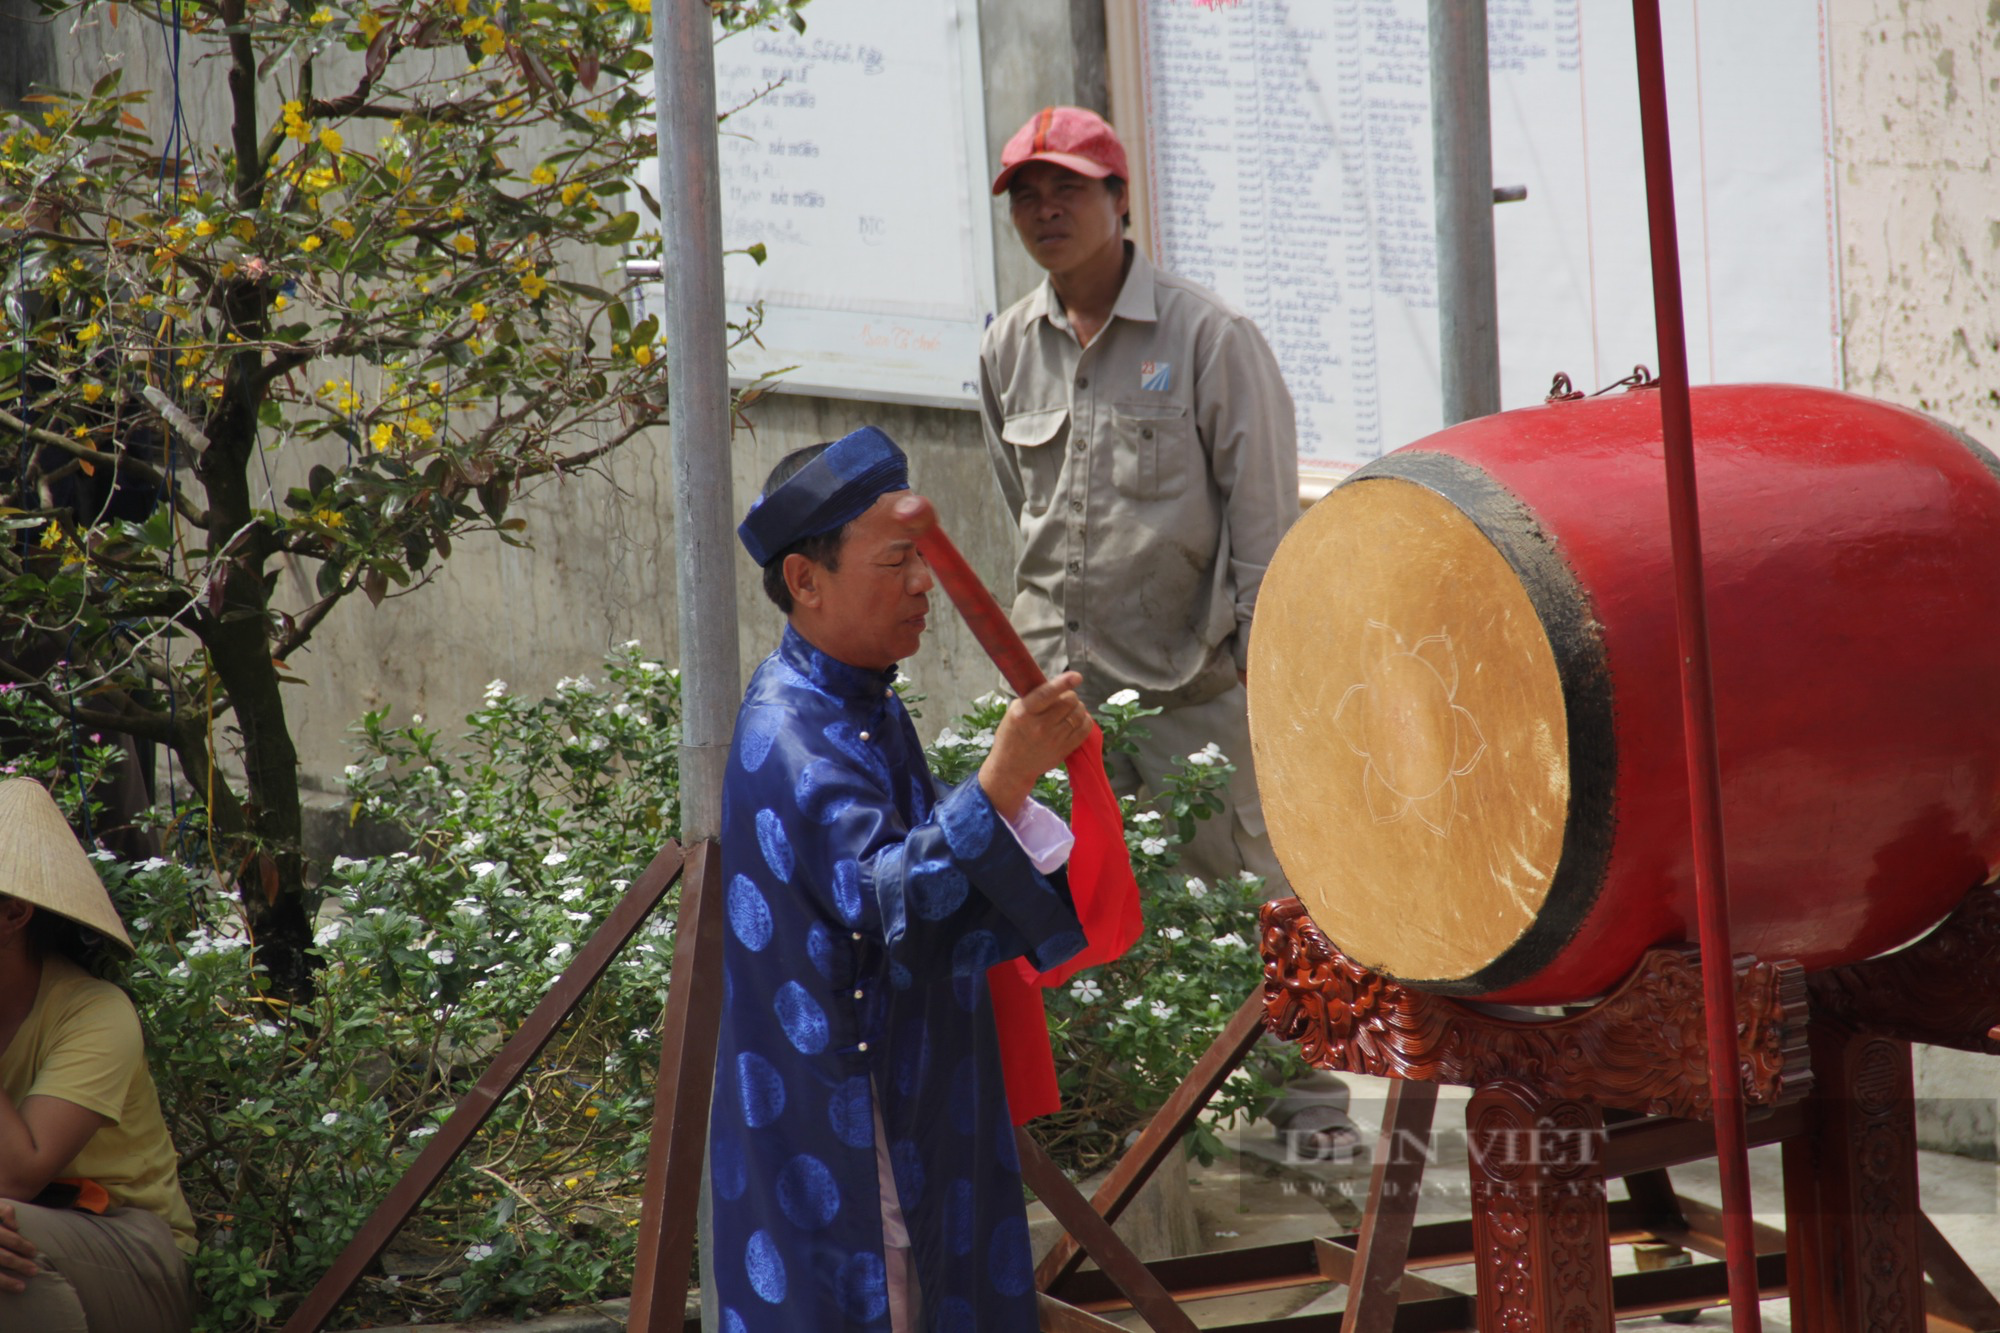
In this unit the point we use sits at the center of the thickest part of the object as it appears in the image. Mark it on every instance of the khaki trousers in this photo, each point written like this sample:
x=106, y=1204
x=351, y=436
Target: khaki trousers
x=1233, y=839
x=118, y=1273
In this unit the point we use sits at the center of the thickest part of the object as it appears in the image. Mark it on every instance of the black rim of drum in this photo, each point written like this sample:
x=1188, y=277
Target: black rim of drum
x=1566, y=616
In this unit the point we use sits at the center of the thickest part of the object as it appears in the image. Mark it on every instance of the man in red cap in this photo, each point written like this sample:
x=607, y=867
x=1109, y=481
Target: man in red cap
x=1144, y=441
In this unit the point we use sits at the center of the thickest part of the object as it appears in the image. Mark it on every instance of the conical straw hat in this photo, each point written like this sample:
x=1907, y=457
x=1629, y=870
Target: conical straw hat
x=42, y=863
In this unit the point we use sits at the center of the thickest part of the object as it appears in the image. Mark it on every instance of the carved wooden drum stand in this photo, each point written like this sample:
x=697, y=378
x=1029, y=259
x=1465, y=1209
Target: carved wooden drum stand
x=1620, y=1090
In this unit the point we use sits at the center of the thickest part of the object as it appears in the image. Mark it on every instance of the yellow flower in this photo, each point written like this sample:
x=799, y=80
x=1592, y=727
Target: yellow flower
x=244, y=230
x=228, y=270
x=52, y=537
x=420, y=427
x=309, y=244
x=589, y=1112
x=643, y=354
x=369, y=23
x=459, y=6
x=343, y=228
x=201, y=228
x=81, y=431
x=457, y=212
x=331, y=141
x=88, y=333
x=435, y=386
x=321, y=179
x=92, y=392
x=329, y=518
x=493, y=42
x=179, y=234
x=533, y=285
x=571, y=191
x=473, y=26
x=475, y=346
x=463, y=243
x=542, y=176
x=41, y=143
x=479, y=312
x=640, y=6
x=382, y=435
x=279, y=302
x=321, y=17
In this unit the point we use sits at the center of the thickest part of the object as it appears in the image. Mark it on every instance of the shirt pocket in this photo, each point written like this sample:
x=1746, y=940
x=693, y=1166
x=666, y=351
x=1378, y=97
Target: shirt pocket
x=1153, y=449
x=1037, y=436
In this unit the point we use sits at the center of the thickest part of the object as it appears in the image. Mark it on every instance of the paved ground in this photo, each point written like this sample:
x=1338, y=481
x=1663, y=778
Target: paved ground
x=1258, y=1196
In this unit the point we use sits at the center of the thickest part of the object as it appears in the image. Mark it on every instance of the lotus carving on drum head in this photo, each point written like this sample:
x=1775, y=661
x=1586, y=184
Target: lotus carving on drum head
x=1404, y=721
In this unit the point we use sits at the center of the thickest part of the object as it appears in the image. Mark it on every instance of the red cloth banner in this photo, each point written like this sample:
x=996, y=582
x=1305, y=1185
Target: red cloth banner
x=1100, y=868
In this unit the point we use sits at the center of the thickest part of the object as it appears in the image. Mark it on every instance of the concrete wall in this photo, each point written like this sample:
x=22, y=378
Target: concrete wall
x=1916, y=87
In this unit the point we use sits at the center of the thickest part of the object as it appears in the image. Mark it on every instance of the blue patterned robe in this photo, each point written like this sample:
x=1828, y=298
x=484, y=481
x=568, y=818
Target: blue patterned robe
x=863, y=909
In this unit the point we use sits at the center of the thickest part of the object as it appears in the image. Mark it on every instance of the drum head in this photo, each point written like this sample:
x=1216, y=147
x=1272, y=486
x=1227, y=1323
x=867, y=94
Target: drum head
x=1412, y=742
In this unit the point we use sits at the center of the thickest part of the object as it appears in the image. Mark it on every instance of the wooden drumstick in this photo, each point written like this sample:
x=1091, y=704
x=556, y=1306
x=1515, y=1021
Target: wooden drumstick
x=968, y=593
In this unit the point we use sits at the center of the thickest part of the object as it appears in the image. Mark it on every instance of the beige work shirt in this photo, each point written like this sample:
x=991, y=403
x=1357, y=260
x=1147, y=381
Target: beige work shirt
x=1151, y=473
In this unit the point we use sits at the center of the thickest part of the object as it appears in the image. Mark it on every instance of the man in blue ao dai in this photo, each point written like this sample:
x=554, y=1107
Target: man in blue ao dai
x=861, y=1151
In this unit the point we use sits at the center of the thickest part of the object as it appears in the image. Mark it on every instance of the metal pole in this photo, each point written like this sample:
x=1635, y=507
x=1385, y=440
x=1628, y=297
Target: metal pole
x=1718, y=969
x=1462, y=164
x=698, y=392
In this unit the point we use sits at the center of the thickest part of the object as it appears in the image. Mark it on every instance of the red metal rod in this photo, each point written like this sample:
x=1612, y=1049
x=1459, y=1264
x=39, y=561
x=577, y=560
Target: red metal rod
x=968, y=593
x=1697, y=680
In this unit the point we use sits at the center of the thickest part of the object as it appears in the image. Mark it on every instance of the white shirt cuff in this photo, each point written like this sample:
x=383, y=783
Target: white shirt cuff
x=1042, y=835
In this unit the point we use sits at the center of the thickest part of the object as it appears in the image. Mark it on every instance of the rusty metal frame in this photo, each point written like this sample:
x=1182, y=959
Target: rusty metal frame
x=509, y=1065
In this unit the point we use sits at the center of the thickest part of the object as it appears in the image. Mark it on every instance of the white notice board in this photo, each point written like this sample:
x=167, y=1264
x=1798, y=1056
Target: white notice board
x=1288, y=150
x=858, y=160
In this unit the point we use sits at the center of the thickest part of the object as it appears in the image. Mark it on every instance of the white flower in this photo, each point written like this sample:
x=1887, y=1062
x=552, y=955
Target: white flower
x=1086, y=991
x=484, y=868
x=1249, y=876
x=441, y=956
x=1133, y=1003
x=557, y=952
x=1146, y=817
x=265, y=1029
x=555, y=857
x=989, y=700
x=578, y=916
x=1162, y=1010
x=1171, y=932
x=142, y=924
x=471, y=843
x=101, y=855
x=983, y=737
x=352, y=772
x=652, y=668
x=422, y=1132
x=330, y=1118
x=1208, y=756
x=155, y=863
x=496, y=689
x=597, y=743
x=642, y=1035
x=327, y=933
x=1123, y=697
x=478, y=1252
x=948, y=738
x=349, y=863
x=1152, y=846
x=620, y=885
x=580, y=684
x=622, y=710
x=1197, y=887
x=1230, y=941
x=416, y=719
x=569, y=895
x=629, y=646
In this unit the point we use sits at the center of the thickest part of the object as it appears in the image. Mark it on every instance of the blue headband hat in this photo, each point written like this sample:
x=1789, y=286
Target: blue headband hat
x=834, y=489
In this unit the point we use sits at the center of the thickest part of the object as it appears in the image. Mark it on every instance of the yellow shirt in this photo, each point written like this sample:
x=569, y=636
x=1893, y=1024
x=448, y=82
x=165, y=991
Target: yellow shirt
x=81, y=1042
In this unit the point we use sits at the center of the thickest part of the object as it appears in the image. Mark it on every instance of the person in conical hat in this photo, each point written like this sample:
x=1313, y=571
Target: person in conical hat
x=94, y=1232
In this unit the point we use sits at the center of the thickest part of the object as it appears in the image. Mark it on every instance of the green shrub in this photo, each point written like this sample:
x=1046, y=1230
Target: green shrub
x=524, y=829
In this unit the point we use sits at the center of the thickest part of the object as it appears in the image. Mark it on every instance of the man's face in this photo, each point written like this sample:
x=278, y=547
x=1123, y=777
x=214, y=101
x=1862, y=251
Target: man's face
x=1066, y=220
x=871, y=611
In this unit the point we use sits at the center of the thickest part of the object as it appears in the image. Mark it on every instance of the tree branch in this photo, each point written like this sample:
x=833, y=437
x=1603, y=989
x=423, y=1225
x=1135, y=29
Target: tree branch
x=146, y=472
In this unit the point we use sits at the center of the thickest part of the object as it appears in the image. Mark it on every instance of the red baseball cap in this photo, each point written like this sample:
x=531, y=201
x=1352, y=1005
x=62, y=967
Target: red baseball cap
x=1068, y=136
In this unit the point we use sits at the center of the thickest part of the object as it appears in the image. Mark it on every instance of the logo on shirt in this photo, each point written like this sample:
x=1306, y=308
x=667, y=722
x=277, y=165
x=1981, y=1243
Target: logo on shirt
x=1157, y=376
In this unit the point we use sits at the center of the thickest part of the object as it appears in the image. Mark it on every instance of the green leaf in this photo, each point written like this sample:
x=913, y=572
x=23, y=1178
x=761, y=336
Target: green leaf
x=757, y=252
x=619, y=230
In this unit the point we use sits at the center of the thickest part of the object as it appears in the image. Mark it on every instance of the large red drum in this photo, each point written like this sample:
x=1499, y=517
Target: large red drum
x=1466, y=704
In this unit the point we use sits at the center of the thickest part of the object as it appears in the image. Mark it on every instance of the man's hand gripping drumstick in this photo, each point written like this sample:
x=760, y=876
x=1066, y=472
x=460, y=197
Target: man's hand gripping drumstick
x=1047, y=722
